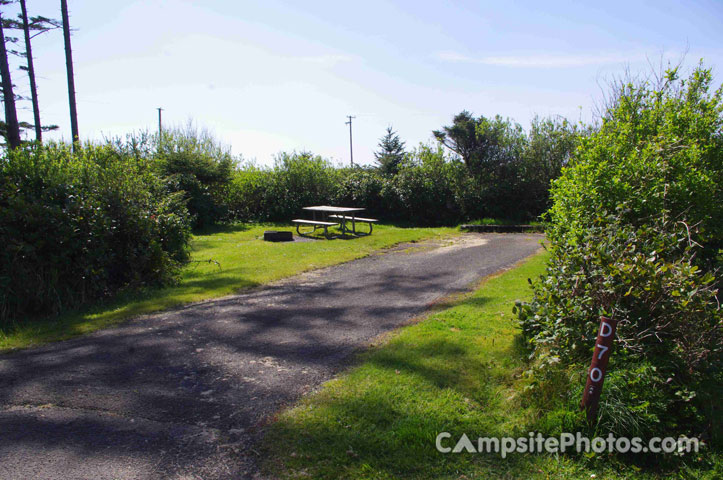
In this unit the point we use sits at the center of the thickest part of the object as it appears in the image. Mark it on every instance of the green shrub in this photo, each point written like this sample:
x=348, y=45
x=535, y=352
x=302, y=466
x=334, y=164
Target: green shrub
x=247, y=193
x=298, y=180
x=79, y=226
x=363, y=187
x=506, y=175
x=425, y=191
x=635, y=234
x=508, y=172
x=279, y=193
x=550, y=145
x=193, y=162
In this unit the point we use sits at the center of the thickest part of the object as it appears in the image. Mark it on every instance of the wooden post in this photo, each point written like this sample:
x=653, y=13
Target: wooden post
x=598, y=366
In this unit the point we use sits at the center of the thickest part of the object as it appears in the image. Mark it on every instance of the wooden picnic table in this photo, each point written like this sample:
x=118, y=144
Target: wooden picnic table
x=343, y=214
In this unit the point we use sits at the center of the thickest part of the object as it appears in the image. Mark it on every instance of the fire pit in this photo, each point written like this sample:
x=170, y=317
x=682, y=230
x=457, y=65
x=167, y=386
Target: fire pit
x=278, y=236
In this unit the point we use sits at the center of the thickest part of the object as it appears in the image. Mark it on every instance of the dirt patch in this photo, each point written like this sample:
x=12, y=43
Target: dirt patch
x=458, y=243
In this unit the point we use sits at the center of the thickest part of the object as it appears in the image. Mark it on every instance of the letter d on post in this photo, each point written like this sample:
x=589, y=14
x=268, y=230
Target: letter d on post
x=596, y=373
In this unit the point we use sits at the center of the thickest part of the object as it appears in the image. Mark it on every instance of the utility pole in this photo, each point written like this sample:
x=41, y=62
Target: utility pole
x=160, y=127
x=351, y=148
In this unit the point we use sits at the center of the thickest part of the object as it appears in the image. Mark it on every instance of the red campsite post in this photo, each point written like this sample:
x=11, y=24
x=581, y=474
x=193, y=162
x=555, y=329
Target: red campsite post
x=598, y=366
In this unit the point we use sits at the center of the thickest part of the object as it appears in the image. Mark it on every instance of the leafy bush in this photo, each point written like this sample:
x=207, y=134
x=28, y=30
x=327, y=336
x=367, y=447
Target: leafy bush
x=363, y=187
x=247, y=193
x=635, y=234
x=505, y=175
x=194, y=163
x=425, y=190
x=508, y=172
x=298, y=180
x=550, y=144
x=79, y=226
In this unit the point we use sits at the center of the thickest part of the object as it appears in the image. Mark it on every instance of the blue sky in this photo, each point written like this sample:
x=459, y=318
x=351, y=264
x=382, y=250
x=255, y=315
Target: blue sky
x=270, y=76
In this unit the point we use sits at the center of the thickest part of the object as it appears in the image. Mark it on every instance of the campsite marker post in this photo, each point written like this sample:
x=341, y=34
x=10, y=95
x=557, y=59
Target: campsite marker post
x=598, y=366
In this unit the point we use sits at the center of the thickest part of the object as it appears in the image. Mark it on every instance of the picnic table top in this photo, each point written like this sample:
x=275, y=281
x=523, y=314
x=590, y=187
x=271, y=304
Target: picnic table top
x=330, y=209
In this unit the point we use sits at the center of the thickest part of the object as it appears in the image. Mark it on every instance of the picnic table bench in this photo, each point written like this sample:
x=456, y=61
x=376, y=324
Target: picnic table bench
x=354, y=220
x=342, y=214
x=315, y=223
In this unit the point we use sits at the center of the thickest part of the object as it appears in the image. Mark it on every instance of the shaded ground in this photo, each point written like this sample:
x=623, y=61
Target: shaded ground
x=185, y=393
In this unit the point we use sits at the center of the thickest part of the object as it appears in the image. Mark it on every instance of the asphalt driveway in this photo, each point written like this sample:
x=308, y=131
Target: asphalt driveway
x=185, y=393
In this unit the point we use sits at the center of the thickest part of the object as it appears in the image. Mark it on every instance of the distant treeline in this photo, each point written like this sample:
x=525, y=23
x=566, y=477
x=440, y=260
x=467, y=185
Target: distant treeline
x=492, y=169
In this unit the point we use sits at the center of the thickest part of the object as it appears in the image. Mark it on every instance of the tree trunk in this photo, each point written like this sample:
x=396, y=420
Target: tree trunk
x=31, y=74
x=69, y=69
x=11, y=116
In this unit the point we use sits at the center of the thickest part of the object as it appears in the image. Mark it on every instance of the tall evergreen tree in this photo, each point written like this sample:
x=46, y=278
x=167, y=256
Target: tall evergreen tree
x=31, y=72
x=38, y=25
x=11, y=117
x=391, y=152
x=31, y=27
x=69, y=69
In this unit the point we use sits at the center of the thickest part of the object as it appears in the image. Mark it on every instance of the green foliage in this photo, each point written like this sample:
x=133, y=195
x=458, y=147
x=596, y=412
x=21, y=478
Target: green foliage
x=429, y=188
x=194, y=163
x=550, y=144
x=659, y=150
x=391, y=153
x=247, y=193
x=503, y=173
x=80, y=226
x=509, y=172
x=364, y=187
x=299, y=180
x=296, y=180
x=635, y=234
x=485, y=144
x=426, y=190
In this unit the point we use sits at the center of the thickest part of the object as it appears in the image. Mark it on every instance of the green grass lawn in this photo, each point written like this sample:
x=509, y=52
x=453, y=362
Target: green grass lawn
x=457, y=371
x=222, y=262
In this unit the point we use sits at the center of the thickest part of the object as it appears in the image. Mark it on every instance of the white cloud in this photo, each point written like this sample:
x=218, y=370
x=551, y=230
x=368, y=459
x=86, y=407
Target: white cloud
x=540, y=61
x=325, y=60
x=454, y=57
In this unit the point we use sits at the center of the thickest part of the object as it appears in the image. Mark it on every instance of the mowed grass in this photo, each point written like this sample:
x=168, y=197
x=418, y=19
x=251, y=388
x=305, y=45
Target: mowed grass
x=223, y=262
x=457, y=371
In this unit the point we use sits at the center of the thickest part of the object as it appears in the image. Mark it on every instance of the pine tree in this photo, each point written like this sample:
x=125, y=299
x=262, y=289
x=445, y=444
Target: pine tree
x=69, y=68
x=31, y=27
x=391, y=152
x=38, y=25
x=12, y=129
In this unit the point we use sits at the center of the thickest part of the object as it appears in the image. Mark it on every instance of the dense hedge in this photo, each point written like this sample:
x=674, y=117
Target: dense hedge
x=192, y=162
x=431, y=187
x=635, y=234
x=79, y=226
x=423, y=192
